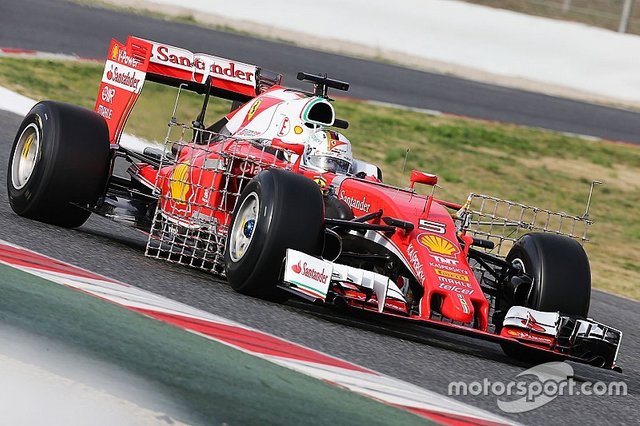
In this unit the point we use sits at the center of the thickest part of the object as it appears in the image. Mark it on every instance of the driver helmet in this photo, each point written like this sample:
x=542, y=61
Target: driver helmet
x=330, y=151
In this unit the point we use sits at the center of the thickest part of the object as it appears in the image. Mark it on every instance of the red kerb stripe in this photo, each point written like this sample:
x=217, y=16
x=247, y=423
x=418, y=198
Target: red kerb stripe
x=251, y=340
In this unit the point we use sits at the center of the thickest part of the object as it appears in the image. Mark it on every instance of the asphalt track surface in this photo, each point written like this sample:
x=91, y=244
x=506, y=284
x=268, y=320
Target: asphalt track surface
x=64, y=27
x=426, y=357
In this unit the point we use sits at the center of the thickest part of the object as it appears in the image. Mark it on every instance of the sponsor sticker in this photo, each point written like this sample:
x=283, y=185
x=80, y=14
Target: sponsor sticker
x=438, y=245
x=285, y=126
x=250, y=168
x=177, y=58
x=355, y=203
x=114, y=52
x=456, y=289
x=431, y=226
x=233, y=71
x=123, y=77
x=310, y=275
x=449, y=274
x=415, y=262
x=464, y=304
x=445, y=260
x=105, y=111
x=107, y=94
x=248, y=132
x=119, y=54
x=454, y=282
x=179, y=186
x=221, y=68
x=519, y=334
x=448, y=268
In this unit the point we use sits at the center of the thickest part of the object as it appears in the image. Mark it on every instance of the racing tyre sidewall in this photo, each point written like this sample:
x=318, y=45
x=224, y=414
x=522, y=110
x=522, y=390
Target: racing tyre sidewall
x=560, y=270
x=70, y=166
x=561, y=277
x=291, y=215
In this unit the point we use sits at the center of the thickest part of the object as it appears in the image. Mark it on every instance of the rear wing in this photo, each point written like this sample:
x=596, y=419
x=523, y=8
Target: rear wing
x=129, y=65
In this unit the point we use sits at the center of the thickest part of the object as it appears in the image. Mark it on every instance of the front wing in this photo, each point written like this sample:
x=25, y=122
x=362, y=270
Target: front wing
x=577, y=339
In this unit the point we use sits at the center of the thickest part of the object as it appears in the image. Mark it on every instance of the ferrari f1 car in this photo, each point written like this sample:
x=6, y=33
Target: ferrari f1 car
x=234, y=197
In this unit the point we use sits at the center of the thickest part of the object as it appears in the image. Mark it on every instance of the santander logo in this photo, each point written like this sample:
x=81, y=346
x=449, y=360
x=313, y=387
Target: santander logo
x=128, y=78
x=220, y=66
x=303, y=269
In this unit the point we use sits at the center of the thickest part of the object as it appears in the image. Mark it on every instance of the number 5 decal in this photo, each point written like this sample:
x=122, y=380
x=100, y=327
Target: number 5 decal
x=434, y=227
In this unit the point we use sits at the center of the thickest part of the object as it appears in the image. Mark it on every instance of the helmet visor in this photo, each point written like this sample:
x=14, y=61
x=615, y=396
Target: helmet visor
x=330, y=164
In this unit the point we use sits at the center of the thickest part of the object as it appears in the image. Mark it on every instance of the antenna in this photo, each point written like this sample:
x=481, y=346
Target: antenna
x=174, y=119
x=406, y=156
x=593, y=184
x=404, y=164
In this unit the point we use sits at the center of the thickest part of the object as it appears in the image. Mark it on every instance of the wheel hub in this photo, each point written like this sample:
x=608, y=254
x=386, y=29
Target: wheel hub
x=243, y=226
x=25, y=156
x=247, y=229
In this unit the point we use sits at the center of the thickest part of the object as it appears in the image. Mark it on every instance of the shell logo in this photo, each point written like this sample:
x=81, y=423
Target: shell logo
x=438, y=245
x=114, y=52
x=515, y=333
x=179, y=186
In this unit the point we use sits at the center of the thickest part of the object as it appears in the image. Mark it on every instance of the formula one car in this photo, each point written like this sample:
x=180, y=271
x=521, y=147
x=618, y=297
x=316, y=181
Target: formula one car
x=235, y=198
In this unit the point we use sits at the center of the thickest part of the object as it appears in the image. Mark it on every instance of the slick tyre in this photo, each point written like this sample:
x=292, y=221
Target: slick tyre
x=277, y=210
x=59, y=159
x=561, y=277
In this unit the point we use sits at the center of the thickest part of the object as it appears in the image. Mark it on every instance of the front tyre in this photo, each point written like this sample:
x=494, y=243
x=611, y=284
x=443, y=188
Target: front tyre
x=277, y=210
x=561, y=281
x=560, y=270
x=59, y=159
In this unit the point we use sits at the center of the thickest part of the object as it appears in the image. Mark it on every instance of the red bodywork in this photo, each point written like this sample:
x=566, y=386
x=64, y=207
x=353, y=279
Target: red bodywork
x=206, y=182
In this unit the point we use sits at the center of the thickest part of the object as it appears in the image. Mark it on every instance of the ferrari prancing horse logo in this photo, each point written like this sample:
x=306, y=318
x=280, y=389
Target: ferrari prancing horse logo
x=253, y=109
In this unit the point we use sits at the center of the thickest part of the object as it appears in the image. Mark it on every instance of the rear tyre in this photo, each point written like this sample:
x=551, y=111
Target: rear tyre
x=60, y=157
x=277, y=210
x=561, y=277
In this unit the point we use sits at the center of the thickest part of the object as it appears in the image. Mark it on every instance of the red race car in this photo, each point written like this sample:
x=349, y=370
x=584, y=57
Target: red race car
x=270, y=197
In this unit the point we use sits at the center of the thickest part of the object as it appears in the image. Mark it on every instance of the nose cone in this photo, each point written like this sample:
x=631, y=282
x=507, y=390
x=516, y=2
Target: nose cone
x=457, y=307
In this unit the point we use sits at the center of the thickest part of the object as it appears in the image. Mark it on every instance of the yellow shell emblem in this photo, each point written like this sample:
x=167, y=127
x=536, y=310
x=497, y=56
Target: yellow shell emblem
x=437, y=244
x=115, y=51
x=179, y=186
